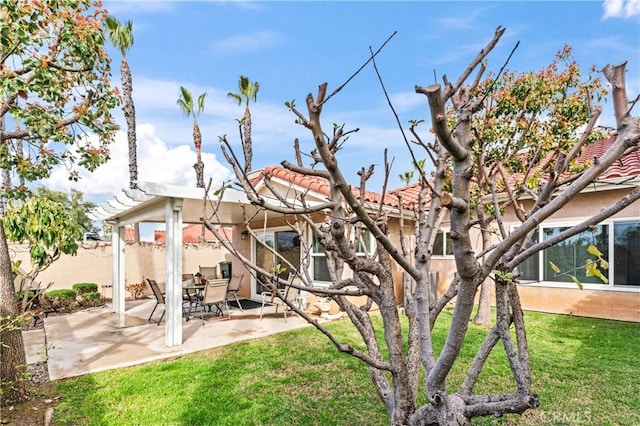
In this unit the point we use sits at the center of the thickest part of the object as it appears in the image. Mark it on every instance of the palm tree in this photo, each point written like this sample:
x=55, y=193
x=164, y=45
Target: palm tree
x=121, y=36
x=248, y=91
x=185, y=102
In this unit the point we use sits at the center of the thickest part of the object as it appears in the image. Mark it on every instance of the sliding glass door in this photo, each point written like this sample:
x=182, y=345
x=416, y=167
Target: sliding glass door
x=287, y=246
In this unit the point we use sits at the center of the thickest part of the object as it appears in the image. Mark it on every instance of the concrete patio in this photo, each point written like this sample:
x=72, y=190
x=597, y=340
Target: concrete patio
x=96, y=340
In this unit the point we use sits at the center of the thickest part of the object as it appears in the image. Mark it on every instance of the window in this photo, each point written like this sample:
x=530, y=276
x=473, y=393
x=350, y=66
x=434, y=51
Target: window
x=286, y=244
x=619, y=243
x=443, y=245
x=626, y=246
x=571, y=254
x=320, y=268
x=530, y=268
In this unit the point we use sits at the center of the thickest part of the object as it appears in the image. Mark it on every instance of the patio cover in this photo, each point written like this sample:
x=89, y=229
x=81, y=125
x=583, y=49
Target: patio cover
x=173, y=205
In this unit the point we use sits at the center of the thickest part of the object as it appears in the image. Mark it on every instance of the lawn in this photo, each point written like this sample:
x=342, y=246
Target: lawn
x=585, y=370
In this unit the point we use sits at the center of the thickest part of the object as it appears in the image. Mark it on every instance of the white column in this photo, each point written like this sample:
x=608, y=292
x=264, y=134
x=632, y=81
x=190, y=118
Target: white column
x=118, y=267
x=173, y=279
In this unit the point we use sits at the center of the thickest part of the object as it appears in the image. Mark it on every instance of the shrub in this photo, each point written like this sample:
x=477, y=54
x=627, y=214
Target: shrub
x=82, y=288
x=55, y=300
x=93, y=298
x=136, y=289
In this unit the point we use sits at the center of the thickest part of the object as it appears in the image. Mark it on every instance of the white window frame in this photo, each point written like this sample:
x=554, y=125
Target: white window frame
x=610, y=224
x=445, y=237
x=262, y=231
x=321, y=253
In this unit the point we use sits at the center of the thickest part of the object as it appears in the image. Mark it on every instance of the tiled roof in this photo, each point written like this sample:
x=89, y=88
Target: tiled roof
x=627, y=166
x=191, y=234
x=321, y=185
x=128, y=234
x=409, y=195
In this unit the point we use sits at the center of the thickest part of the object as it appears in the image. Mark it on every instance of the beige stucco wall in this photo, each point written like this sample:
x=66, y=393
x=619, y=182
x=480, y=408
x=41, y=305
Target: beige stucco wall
x=613, y=304
x=619, y=304
x=586, y=205
x=93, y=263
x=609, y=304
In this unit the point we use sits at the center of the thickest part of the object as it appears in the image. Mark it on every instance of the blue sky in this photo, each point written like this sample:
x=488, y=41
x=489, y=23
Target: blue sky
x=292, y=47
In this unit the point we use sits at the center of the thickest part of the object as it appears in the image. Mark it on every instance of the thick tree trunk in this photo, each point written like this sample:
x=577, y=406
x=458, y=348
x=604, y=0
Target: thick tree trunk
x=483, y=316
x=13, y=361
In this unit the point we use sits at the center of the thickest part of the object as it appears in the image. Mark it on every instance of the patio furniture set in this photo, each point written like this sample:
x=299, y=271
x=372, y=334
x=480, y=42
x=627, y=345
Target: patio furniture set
x=204, y=293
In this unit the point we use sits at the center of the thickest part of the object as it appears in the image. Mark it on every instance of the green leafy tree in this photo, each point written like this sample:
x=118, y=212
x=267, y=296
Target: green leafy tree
x=247, y=92
x=121, y=36
x=55, y=89
x=50, y=228
x=185, y=102
x=527, y=121
x=75, y=204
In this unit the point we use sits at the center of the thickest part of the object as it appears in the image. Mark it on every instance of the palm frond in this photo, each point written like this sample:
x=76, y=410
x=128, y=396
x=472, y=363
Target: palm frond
x=235, y=96
x=201, y=102
x=185, y=101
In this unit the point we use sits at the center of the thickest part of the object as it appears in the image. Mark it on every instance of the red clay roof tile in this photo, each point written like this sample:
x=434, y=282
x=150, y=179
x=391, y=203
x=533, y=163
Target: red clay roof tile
x=320, y=185
x=191, y=234
x=629, y=165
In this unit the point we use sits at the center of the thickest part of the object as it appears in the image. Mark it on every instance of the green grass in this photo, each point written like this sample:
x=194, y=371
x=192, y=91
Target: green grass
x=585, y=370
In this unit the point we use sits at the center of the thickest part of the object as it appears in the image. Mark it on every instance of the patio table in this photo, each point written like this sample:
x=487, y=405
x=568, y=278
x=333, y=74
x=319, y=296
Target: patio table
x=191, y=292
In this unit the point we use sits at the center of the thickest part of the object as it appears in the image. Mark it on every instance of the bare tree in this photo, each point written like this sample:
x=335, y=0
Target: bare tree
x=403, y=359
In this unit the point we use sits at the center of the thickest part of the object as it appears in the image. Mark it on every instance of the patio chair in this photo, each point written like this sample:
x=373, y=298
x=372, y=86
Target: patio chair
x=159, y=298
x=232, y=290
x=215, y=295
x=290, y=294
x=188, y=297
x=209, y=272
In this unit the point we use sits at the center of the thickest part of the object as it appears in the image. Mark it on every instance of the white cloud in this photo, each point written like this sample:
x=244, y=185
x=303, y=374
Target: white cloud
x=248, y=42
x=621, y=8
x=157, y=162
x=407, y=101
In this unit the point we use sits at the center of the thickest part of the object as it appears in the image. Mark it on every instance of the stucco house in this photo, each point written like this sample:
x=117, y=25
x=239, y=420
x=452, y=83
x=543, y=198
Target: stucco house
x=618, y=238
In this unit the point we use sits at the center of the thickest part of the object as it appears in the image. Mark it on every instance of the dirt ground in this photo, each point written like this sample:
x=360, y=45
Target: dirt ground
x=43, y=395
x=32, y=411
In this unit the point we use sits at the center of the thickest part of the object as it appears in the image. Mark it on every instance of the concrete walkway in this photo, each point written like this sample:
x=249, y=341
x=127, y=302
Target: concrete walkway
x=95, y=340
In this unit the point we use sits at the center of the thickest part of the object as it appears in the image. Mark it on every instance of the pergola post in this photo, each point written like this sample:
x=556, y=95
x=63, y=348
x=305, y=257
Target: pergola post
x=118, y=268
x=173, y=279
